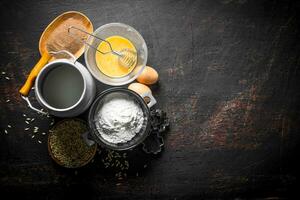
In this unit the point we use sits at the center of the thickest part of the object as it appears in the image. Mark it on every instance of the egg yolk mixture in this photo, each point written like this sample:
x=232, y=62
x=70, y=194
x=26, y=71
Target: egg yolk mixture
x=108, y=63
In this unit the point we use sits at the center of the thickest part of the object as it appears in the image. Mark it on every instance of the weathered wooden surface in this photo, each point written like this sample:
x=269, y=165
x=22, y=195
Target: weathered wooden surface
x=229, y=80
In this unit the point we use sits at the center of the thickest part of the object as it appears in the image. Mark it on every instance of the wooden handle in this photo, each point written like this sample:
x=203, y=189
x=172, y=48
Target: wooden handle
x=33, y=74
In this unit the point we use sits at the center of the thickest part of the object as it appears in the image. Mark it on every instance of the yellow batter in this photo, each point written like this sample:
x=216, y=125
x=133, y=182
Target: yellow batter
x=108, y=63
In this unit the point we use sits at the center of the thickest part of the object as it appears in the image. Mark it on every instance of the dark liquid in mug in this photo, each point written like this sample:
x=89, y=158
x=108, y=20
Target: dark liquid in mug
x=63, y=86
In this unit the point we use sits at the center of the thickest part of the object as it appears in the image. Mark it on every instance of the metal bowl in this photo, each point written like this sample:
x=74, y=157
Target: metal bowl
x=97, y=105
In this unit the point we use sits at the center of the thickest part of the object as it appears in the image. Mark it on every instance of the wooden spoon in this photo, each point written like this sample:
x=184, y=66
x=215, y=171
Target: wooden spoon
x=54, y=38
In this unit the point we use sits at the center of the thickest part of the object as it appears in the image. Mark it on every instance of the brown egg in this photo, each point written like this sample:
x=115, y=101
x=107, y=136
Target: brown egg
x=139, y=88
x=149, y=76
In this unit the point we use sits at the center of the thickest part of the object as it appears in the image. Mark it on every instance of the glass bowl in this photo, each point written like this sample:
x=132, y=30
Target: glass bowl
x=127, y=32
x=107, y=95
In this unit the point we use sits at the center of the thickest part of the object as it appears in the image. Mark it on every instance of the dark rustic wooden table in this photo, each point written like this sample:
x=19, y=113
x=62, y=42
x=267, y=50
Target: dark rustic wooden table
x=229, y=81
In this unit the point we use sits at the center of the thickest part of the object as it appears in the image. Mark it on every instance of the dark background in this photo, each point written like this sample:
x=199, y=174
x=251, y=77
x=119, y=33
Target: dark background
x=229, y=81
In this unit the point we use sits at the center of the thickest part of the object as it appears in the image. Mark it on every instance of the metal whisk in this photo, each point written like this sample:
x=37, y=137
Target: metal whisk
x=126, y=57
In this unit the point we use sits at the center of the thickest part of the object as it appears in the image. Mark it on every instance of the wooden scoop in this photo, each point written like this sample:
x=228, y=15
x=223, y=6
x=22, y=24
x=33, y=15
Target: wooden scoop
x=55, y=38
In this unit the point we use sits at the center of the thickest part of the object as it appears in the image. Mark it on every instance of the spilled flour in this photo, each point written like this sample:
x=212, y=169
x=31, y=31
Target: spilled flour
x=120, y=119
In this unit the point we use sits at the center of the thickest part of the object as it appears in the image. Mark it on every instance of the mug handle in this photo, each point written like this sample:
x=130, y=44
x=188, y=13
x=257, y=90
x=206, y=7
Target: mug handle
x=32, y=107
x=66, y=52
x=150, y=96
x=86, y=137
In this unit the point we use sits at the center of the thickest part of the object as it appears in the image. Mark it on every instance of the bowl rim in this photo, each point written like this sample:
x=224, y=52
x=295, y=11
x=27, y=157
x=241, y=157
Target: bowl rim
x=118, y=83
x=100, y=140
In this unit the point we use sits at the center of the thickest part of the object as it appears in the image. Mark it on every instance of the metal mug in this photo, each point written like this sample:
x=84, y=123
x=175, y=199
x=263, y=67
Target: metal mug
x=86, y=98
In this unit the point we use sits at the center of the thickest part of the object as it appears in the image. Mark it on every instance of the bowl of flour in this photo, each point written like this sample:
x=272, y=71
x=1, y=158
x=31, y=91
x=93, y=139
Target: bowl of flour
x=119, y=119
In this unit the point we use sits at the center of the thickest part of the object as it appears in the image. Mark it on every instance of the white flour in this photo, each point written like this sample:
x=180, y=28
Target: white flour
x=120, y=119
